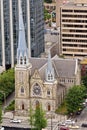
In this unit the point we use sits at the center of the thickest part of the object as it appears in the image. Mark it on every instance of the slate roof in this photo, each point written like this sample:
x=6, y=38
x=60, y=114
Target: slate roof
x=65, y=68
x=37, y=63
x=62, y=67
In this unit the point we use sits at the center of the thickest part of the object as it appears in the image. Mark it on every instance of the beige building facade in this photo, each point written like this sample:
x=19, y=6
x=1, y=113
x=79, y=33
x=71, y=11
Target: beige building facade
x=59, y=3
x=73, y=29
x=38, y=83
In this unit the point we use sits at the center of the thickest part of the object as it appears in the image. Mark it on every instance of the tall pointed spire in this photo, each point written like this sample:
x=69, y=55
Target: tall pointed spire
x=22, y=50
x=49, y=69
x=49, y=65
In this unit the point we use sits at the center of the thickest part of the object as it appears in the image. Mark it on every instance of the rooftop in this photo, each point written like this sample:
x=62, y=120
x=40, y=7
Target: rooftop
x=78, y=5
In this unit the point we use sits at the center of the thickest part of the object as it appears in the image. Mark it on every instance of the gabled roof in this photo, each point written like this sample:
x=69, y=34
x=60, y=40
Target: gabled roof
x=37, y=63
x=65, y=67
x=62, y=67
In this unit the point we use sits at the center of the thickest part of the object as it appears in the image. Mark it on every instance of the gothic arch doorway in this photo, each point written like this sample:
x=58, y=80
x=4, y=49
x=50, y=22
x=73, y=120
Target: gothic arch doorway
x=37, y=104
x=22, y=106
x=48, y=107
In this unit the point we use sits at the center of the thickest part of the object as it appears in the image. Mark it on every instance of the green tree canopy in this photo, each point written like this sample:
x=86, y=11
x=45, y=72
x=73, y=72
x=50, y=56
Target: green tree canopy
x=40, y=120
x=31, y=117
x=7, y=83
x=48, y=1
x=0, y=114
x=84, y=81
x=74, y=98
x=37, y=118
x=47, y=16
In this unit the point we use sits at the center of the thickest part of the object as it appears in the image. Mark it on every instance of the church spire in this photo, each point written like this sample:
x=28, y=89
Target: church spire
x=22, y=50
x=49, y=69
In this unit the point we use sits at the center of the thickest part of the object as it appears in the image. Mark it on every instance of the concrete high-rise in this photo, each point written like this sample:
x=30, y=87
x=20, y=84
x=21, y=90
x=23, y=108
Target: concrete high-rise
x=73, y=29
x=59, y=3
x=33, y=18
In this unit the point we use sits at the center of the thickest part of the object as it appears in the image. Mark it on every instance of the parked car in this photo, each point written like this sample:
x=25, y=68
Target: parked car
x=15, y=121
x=64, y=128
x=84, y=125
x=62, y=124
x=1, y=128
x=78, y=112
x=69, y=122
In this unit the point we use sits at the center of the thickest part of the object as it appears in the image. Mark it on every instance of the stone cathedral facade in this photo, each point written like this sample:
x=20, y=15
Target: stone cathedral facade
x=42, y=81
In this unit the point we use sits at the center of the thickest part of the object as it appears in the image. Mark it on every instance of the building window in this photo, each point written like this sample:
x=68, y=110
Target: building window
x=36, y=90
x=21, y=60
x=48, y=92
x=48, y=107
x=25, y=60
x=50, y=77
x=37, y=104
x=22, y=90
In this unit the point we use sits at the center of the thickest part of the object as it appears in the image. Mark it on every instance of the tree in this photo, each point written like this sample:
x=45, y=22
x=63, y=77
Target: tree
x=47, y=16
x=7, y=83
x=40, y=120
x=48, y=1
x=0, y=114
x=31, y=117
x=74, y=98
x=84, y=81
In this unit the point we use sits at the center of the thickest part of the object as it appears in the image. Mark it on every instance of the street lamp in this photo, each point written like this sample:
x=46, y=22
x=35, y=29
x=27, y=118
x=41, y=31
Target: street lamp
x=58, y=127
x=51, y=122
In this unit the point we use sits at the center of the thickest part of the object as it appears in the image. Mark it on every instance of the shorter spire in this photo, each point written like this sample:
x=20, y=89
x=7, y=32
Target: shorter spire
x=22, y=50
x=49, y=69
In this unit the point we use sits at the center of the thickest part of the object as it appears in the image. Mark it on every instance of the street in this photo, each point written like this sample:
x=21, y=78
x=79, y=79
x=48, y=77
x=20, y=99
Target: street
x=82, y=118
x=52, y=123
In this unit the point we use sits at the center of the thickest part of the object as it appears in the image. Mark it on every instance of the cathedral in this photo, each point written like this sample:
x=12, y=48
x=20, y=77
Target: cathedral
x=42, y=81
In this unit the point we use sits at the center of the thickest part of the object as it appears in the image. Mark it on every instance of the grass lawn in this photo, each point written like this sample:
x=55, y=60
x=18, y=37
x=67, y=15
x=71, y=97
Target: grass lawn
x=62, y=109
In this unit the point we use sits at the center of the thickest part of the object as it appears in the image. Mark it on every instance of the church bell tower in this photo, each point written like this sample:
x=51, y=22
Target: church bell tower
x=22, y=72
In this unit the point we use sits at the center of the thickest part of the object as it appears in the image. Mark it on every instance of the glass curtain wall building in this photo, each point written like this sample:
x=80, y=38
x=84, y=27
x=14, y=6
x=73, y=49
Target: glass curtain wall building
x=33, y=17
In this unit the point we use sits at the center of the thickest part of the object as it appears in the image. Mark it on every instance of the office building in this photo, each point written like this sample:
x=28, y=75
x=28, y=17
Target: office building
x=59, y=3
x=33, y=18
x=73, y=29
